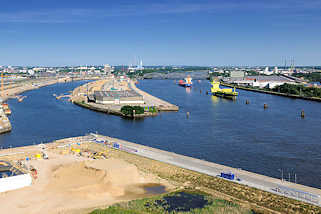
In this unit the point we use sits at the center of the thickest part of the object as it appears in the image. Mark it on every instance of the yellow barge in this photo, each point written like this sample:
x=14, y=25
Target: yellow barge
x=222, y=92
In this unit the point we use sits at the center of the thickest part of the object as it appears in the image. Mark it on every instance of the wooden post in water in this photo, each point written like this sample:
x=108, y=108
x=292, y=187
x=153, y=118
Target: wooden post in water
x=265, y=106
x=247, y=102
x=302, y=114
x=187, y=114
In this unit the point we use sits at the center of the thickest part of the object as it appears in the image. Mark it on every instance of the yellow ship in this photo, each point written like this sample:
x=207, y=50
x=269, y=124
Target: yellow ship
x=222, y=92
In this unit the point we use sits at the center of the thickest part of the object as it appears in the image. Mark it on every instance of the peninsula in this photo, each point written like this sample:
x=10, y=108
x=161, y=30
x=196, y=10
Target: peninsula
x=111, y=94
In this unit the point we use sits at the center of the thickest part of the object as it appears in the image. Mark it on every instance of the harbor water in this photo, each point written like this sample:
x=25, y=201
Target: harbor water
x=268, y=140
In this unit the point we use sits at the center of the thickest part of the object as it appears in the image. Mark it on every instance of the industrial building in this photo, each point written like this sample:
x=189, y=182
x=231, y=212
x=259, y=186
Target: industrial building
x=260, y=81
x=237, y=74
x=118, y=97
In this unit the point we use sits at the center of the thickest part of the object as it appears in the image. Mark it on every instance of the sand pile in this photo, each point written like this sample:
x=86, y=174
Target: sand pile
x=69, y=184
x=92, y=179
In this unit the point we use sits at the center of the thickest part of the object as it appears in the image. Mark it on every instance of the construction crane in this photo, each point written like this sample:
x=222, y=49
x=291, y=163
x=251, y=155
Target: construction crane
x=2, y=84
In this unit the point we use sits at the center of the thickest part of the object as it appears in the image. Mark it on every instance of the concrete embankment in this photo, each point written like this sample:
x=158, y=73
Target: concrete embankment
x=273, y=93
x=99, y=108
x=154, y=101
x=265, y=183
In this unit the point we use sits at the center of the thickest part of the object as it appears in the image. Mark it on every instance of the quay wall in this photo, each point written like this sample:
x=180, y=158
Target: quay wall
x=160, y=104
x=273, y=92
x=273, y=185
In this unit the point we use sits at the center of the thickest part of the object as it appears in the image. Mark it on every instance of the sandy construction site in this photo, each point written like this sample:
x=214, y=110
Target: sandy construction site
x=75, y=184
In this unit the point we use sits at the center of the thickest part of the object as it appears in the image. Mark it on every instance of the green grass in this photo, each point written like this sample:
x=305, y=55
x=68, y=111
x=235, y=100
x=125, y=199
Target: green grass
x=115, y=210
x=159, y=205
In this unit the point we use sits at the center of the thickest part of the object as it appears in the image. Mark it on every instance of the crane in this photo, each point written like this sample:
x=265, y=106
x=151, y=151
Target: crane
x=2, y=84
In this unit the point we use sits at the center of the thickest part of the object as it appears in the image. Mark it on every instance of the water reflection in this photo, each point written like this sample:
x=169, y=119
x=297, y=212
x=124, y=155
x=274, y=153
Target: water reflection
x=215, y=99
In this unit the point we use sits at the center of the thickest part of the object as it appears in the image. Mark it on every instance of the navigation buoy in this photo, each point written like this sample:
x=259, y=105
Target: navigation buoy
x=247, y=102
x=187, y=114
x=302, y=114
x=200, y=91
x=265, y=106
x=206, y=92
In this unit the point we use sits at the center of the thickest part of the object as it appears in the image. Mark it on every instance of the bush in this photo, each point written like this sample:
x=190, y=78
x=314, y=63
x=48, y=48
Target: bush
x=138, y=109
x=153, y=109
x=129, y=110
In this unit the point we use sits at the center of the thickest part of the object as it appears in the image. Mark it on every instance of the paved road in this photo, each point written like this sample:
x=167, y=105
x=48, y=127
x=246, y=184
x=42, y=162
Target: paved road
x=269, y=184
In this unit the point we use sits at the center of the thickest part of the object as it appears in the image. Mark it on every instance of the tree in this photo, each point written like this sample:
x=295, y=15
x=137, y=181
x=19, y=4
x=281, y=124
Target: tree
x=129, y=110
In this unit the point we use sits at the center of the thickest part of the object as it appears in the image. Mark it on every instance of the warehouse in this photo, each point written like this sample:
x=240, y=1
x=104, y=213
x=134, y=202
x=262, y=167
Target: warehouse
x=260, y=81
x=118, y=97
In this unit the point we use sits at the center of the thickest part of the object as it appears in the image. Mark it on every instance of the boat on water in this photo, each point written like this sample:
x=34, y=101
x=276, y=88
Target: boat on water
x=223, y=92
x=7, y=111
x=187, y=82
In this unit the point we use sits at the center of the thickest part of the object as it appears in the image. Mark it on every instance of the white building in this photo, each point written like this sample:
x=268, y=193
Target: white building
x=262, y=81
x=107, y=69
x=267, y=71
x=31, y=72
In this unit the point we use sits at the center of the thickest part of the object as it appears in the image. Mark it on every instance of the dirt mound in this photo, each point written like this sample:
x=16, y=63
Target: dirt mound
x=68, y=184
x=99, y=178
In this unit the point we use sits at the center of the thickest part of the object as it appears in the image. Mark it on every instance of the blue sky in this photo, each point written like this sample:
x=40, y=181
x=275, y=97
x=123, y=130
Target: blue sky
x=168, y=32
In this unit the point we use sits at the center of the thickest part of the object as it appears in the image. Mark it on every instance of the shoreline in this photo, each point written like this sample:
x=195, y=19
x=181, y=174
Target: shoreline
x=33, y=84
x=184, y=172
x=212, y=169
x=316, y=99
x=28, y=85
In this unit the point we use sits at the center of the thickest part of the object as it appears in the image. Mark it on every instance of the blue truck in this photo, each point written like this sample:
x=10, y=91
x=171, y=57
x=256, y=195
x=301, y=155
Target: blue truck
x=229, y=175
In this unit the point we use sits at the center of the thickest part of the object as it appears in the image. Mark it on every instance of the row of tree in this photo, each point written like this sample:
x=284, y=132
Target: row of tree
x=312, y=77
x=298, y=90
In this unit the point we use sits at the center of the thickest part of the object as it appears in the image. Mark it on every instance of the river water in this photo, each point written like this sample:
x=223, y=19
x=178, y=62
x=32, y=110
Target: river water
x=223, y=131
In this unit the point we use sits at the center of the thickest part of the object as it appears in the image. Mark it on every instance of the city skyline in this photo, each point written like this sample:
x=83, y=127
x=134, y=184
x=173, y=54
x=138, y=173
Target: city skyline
x=160, y=32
